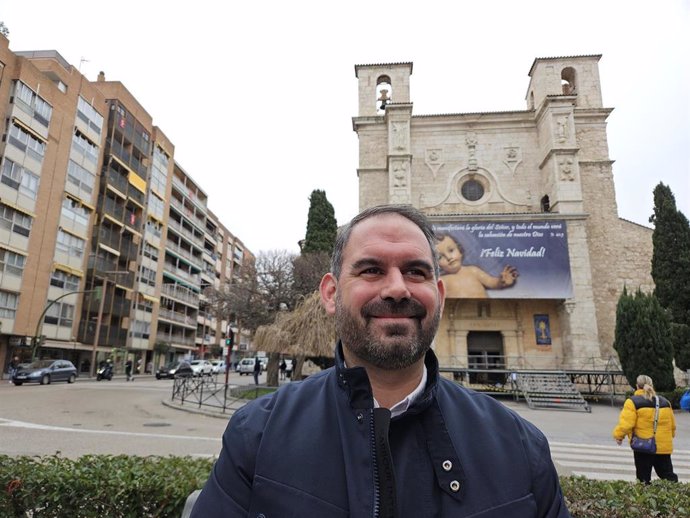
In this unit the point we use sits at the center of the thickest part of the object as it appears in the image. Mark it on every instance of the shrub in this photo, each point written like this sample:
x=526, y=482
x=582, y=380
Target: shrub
x=99, y=485
x=617, y=499
x=120, y=486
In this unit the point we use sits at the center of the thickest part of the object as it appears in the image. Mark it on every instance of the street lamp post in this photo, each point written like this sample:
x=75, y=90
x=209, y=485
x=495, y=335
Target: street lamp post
x=37, y=336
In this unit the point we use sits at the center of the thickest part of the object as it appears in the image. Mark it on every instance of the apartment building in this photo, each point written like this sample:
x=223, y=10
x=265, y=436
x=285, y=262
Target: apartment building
x=106, y=243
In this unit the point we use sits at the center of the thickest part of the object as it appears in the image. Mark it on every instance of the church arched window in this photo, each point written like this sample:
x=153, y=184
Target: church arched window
x=383, y=93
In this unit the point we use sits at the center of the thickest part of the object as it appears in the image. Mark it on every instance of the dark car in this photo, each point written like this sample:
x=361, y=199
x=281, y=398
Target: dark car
x=176, y=369
x=45, y=372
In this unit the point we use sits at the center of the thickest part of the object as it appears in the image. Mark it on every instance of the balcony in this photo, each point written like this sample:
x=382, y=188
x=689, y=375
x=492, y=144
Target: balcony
x=188, y=213
x=178, y=292
x=185, y=254
x=120, y=307
x=175, y=339
x=117, y=180
x=108, y=335
x=109, y=238
x=173, y=316
x=180, y=229
x=185, y=275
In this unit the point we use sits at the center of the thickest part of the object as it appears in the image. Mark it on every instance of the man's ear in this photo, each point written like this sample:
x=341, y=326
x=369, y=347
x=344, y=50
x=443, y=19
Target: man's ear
x=441, y=292
x=328, y=287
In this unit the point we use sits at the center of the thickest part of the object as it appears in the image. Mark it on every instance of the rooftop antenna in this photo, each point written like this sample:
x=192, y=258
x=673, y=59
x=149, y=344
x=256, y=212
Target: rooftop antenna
x=82, y=60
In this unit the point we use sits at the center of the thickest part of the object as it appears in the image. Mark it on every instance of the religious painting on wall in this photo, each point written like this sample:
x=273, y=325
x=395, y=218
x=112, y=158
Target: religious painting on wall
x=542, y=329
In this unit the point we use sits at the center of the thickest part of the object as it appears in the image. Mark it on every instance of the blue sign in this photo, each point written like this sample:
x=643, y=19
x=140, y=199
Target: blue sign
x=505, y=260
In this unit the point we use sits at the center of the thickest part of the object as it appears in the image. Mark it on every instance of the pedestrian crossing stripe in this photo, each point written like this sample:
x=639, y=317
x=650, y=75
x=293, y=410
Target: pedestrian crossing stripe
x=613, y=462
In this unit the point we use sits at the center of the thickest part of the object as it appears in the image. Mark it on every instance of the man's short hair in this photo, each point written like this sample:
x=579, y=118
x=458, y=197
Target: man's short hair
x=406, y=211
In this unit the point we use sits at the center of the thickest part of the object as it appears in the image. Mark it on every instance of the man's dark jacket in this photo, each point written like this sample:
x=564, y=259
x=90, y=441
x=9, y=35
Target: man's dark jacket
x=319, y=449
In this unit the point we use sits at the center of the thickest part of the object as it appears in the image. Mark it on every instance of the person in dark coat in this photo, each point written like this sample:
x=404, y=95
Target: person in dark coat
x=257, y=370
x=128, y=370
x=381, y=434
x=283, y=368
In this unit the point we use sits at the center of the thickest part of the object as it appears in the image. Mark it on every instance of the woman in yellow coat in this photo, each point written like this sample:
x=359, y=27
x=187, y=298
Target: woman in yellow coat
x=637, y=417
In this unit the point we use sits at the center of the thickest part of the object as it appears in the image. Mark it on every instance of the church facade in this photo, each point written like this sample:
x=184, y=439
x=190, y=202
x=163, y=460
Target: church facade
x=532, y=251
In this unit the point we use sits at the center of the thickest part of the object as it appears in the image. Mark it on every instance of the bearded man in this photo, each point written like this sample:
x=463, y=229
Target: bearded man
x=381, y=434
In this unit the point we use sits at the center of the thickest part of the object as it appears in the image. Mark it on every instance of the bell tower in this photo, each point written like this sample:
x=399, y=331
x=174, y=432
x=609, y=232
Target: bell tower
x=393, y=78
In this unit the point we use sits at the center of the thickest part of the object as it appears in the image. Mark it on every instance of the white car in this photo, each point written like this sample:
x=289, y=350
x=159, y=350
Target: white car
x=201, y=367
x=218, y=366
x=246, y=366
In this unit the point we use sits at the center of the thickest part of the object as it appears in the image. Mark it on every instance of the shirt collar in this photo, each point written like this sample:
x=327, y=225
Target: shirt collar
x=401, y=406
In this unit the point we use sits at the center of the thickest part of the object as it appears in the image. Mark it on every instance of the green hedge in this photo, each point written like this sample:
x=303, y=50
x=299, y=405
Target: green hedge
x=99, y=485
x=618, y=499
x=144, y=487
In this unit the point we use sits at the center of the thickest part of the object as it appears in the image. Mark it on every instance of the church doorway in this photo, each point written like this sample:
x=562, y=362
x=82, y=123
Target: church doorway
x=484, y=354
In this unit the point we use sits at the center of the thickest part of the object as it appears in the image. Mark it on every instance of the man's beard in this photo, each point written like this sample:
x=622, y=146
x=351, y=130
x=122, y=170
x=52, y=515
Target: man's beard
x=401, y=348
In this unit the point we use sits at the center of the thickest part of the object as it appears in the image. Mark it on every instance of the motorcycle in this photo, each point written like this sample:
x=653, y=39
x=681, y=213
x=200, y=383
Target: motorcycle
x=104, y=372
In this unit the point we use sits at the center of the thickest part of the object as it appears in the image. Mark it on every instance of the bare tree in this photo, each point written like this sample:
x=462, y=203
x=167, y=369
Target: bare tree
x=253, y=298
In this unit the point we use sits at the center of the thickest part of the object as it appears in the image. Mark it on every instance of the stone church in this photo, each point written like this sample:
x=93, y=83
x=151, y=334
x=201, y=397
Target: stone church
x=532, y=251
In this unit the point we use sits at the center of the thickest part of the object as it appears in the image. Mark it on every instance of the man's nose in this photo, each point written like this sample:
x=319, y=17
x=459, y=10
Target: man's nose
x=395, y=286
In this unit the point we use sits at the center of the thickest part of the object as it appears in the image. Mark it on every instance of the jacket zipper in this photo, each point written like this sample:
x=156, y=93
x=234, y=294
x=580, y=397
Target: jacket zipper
x=377, y=489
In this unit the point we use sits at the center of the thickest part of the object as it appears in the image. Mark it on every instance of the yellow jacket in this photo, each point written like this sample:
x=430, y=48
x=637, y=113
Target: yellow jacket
x=637, y=417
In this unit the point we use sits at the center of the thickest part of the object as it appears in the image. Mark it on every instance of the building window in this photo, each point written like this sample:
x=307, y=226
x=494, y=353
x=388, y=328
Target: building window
x=384, y=93
x=19, y=178
x=11, y=263
x=156, y=206
x=27, y=142
x=472, y=190
x=75, y=212
x=159, y=171
x=32, y=104
x=84, y=147
x=69, y=244
x=60, y=314
x=147, y=276
x=14, y=220
x=154, y=228
x=568, y=81
x=145, y=305
x=64, y=280
x=8, y=304
x=80, y=177
x=150, y=251
x=89, y=115
x=141, y=329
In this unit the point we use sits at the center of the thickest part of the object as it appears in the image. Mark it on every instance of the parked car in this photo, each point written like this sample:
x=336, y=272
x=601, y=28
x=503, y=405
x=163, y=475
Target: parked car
x=176, y=369
x=218, y=366
x=201, y=367
x=45, y=372
x=246, y=365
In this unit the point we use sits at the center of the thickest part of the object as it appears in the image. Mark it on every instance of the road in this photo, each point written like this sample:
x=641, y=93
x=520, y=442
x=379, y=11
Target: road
x=107, y=417
x=120, y=417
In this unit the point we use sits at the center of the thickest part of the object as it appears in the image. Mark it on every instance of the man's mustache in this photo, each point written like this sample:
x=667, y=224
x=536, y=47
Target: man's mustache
x=386, y=307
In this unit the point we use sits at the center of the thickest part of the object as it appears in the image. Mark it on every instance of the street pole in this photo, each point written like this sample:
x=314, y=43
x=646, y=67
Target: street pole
x=37, y=336
x=98, y=326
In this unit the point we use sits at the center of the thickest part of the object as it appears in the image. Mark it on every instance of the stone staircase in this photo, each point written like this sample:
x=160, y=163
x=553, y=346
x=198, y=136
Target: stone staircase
x=550, y=390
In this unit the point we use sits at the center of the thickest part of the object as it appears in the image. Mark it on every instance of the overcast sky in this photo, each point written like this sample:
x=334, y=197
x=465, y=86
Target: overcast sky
x=258, y=96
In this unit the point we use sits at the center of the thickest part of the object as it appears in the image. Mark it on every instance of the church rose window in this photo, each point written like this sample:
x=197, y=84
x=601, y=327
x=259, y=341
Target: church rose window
x=472, y=190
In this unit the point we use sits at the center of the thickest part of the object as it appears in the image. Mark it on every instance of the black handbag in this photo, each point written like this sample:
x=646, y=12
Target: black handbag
x=647, y=445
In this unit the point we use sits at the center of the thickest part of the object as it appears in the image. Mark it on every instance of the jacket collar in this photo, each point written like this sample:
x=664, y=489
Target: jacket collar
x=355, y=382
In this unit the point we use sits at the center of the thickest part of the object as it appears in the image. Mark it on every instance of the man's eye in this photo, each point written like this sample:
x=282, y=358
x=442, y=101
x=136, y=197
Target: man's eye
x=371, y=271
x=416, y=272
